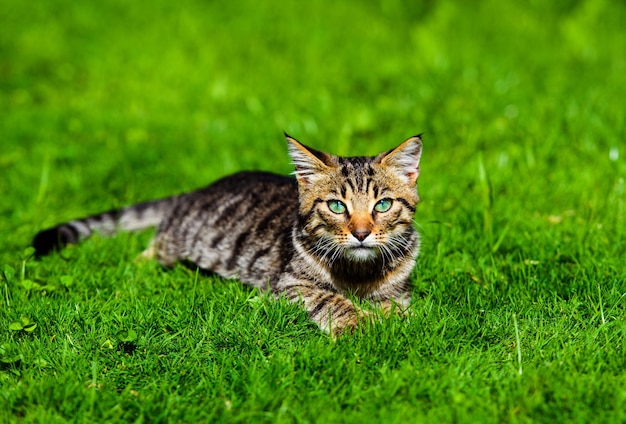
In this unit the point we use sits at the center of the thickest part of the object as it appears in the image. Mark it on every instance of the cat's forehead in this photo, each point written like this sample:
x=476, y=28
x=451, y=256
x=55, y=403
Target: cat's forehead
x=356, y=166
x=359, y=175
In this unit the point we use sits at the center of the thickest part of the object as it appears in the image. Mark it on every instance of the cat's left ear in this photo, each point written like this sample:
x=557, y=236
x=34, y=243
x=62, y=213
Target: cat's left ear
x=308, y=162
x=405, y=159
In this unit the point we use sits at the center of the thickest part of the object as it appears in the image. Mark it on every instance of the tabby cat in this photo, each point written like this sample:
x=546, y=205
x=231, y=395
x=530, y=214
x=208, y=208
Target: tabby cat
x=343, y=226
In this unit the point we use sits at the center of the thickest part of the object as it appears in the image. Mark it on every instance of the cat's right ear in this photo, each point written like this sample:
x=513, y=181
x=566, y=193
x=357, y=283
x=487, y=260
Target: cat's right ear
x=308, y=162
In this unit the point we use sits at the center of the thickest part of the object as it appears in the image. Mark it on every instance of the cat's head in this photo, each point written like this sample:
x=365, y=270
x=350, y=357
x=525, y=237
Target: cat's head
x=359, y=208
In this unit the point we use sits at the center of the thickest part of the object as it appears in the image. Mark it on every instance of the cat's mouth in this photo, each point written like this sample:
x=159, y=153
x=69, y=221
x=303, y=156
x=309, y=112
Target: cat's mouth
x=361, y=252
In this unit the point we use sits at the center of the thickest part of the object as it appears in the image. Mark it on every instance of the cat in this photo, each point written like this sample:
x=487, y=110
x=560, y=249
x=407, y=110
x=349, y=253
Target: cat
x=342, y=227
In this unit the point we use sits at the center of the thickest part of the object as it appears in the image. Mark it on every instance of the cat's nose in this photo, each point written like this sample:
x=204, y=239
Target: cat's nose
x=361, y=234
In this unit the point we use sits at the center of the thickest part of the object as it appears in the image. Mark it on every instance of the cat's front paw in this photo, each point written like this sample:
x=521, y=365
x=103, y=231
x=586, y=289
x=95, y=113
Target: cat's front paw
x=351, y=323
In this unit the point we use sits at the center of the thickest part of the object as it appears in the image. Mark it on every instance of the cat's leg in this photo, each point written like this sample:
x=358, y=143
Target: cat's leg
x=332, y=312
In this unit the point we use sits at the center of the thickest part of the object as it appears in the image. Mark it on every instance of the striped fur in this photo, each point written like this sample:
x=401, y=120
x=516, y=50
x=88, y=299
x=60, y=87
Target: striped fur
x=343, y=226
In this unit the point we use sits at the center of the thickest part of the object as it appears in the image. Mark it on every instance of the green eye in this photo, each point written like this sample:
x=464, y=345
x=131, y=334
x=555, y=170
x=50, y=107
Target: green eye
x=383, y=205
x=336, y=206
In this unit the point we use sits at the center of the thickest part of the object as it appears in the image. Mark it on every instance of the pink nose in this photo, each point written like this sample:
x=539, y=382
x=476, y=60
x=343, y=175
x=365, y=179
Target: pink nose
x=361, y=234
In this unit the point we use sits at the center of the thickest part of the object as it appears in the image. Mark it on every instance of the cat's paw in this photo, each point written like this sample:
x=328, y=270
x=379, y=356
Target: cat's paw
x=351, y=323
x=147, y=255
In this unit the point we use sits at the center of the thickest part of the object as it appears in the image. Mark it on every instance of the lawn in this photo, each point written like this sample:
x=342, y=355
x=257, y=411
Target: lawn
x=519, y=311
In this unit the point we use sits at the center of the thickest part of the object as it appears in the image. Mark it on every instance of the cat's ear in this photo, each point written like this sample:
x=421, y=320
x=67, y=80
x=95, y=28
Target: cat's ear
x=308, y=162
x=405, y=159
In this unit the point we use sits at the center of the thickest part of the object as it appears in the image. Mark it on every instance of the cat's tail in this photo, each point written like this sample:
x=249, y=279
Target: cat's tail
x=132, y=218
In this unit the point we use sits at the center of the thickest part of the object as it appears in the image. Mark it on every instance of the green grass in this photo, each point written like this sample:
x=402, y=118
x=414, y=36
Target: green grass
x=520, y=291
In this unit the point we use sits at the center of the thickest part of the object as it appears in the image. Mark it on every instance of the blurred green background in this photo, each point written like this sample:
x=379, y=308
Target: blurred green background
x=133, y=99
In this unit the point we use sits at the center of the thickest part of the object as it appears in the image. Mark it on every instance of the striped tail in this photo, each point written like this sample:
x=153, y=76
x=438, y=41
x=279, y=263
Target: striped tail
x=132, y=218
